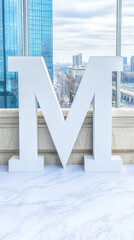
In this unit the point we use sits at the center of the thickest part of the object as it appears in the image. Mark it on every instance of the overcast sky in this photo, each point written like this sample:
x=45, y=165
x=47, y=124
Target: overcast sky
x=89, y=27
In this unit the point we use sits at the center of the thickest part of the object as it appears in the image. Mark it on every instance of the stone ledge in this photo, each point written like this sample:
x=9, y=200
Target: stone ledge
x=122, y=136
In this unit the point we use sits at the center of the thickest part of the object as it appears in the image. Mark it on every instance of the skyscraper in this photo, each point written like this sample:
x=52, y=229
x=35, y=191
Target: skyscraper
x=77, y=60
x=124, y=60
x=26, y=28
x=132, y=64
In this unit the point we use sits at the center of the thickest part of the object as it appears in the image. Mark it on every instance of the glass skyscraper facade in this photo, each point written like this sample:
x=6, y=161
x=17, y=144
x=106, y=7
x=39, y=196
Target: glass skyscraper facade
x=40, y=41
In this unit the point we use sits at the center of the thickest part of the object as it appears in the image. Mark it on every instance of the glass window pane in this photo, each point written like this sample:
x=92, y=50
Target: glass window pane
x=127, y=79
x=40, y=35
x=81, y=27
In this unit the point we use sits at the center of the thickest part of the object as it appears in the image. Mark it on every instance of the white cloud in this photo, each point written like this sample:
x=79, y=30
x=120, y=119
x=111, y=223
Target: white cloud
x=89, y=26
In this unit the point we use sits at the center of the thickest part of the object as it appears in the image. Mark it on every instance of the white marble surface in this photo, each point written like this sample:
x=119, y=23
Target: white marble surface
x=67, y=204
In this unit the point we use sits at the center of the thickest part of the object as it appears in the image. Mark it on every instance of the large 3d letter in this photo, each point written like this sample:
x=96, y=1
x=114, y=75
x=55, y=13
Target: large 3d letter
x=96, y=84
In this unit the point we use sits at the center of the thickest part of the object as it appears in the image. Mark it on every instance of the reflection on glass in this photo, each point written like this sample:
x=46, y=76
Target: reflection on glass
x=40, y=34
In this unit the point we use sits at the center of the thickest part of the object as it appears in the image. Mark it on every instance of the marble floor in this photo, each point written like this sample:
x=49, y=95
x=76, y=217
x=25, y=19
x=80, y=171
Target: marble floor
x=67, y=204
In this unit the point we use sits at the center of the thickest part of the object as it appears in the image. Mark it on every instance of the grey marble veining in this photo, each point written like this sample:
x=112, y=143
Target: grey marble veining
x=67, y=204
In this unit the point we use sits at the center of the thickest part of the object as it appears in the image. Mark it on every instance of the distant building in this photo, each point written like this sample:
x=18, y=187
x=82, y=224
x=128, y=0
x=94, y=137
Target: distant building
x=74, y=76
x=125, y=60
x=132, y=64
x=127, y=77
x=77, y=60
x=76, y=72
x=64, y=69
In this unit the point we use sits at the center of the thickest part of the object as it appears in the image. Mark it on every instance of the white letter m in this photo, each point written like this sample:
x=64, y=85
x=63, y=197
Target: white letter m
x=35, y=83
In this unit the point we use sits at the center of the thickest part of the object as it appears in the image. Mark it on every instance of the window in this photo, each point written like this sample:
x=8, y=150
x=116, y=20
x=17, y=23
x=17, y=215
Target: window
x=87, y=28
x=127, y=77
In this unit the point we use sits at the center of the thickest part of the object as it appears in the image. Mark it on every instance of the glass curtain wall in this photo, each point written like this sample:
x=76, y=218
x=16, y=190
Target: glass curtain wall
x=40, y=31
x=1, y=58
x=40, y=36
x=8, y=47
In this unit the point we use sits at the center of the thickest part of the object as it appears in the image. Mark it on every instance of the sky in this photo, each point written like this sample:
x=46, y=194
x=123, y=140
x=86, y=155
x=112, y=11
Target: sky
x=89, y=27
